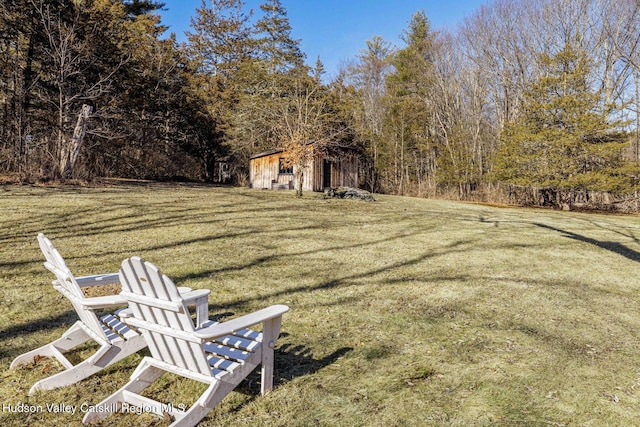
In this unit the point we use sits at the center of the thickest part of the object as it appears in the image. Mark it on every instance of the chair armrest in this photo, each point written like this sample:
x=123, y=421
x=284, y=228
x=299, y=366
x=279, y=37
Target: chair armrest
x=107, y=301
x=124, y=314
x=199, y=297
x=242, y=322
x=93, y=303
x=191, y=297
x=98, y=279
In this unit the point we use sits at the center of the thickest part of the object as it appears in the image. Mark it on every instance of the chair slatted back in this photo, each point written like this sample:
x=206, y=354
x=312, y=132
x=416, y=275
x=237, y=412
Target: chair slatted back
x=67, y=285
x=162, y=316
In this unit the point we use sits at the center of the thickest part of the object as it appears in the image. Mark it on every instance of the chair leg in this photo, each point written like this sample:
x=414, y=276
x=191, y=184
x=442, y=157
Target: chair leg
x=199, y=409
x=271, y=330
x=144, y=375
x=105, y=356
x=73, y=337
x=207, y=401
x=66, y=377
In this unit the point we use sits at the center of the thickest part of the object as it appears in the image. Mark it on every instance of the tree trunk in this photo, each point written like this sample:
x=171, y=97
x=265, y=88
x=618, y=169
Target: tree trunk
x=69, y=153
x=300, y=178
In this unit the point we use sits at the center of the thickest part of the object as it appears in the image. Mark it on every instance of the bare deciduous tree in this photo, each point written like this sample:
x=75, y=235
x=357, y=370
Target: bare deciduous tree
x=74, y=73
x=367, y=74
x=306, y=127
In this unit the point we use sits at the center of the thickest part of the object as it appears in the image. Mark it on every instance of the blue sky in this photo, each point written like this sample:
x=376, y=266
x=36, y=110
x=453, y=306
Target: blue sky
x=336, y=30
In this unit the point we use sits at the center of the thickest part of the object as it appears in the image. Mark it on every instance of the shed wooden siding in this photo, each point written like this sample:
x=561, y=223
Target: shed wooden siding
x=264, y=172
x=344, y=172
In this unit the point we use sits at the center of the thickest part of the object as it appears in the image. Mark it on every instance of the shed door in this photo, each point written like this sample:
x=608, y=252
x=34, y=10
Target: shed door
x=326, y=174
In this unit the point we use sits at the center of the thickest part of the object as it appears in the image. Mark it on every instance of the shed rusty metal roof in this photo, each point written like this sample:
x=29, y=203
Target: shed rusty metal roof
x=266, y=153
x=281, y=150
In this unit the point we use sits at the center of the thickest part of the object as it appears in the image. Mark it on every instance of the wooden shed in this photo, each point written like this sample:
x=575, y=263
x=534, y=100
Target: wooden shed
x=338, y=168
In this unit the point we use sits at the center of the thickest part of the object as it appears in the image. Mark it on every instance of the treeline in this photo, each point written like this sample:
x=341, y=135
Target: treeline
x=93, y=88
x=57, y=56
x=540, y=94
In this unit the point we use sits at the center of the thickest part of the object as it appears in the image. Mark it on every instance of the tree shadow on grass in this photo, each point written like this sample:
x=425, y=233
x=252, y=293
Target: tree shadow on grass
x=65, y=319
x=614, y=247
x=291, y=362
x=458, y=246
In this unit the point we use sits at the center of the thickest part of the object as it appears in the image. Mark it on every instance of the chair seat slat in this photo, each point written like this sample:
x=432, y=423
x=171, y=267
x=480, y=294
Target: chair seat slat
x=222, y=364
x=238, y=342
x=244, y=339
x=112, y=337
x=226, y=352
x=118, y=326
x=218, y=373
x=249, y=334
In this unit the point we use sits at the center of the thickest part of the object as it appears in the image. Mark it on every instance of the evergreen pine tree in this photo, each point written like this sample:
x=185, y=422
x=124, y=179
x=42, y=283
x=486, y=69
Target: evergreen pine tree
x=276, y=46
x=221, y=37
x=408, y=91
x=134, y=8
x=566, y=138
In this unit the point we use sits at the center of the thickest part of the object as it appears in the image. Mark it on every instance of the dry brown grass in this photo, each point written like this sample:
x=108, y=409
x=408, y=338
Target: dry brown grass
x=403, y=311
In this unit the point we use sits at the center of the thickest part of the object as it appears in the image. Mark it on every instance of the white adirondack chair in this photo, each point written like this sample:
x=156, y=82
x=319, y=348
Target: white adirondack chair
x=116, y=339
x=218, y=354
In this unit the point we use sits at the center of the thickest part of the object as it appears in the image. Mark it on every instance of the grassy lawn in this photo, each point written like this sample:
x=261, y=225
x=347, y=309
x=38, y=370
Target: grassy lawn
x=404, y=312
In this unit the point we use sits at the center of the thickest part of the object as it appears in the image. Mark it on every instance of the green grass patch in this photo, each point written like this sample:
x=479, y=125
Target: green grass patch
x=404, y=312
